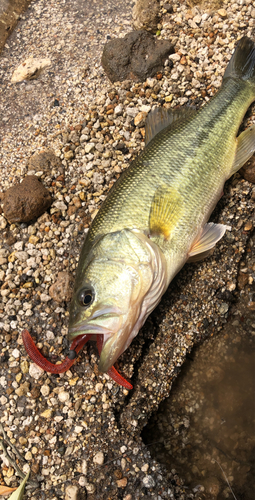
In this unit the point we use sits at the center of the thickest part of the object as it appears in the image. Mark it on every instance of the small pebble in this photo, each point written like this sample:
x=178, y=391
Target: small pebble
x=98, y=458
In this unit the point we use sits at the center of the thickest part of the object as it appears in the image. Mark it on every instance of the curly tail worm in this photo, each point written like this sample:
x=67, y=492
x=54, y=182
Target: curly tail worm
x=75, y=347
x=46, y=365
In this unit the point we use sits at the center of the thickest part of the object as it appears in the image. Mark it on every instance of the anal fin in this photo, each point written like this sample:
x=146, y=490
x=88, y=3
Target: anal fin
x=165, y=212
x=203, y=245
x=245, y=148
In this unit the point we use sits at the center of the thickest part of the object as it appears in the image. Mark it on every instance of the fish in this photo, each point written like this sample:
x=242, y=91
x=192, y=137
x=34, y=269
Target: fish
x=155, y=218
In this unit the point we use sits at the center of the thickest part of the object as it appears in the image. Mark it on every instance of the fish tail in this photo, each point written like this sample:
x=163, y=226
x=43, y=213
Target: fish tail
x=242, y=63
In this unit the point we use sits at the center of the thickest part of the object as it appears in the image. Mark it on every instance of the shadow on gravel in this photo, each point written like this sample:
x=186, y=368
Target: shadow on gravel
x=205, y=429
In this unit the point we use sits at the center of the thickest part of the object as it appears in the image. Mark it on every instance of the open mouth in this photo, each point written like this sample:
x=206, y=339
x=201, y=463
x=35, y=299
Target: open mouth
x=103, y=322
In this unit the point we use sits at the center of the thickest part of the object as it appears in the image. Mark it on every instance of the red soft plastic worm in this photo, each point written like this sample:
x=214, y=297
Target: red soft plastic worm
x=46, y=365
x=76, y=346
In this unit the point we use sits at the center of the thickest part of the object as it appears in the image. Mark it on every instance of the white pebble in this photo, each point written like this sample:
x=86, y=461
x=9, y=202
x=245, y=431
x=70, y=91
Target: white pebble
x=148, y=482
x=35, y=371
x=44, y=297
x=3, y=222
x=63, y=396
x=16, y=353
x=118, y=110
x=98, y=458
x=78, y=429
x=60, y=205
x=45, y=390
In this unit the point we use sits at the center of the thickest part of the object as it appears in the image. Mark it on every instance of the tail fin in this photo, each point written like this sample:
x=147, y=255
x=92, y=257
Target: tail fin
x=242, y=62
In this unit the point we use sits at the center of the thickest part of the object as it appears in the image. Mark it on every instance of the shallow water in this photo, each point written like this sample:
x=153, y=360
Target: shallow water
x=205, y=429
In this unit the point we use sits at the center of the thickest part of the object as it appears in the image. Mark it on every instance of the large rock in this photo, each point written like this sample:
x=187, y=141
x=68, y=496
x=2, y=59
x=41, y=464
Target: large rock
x=137, y=56
x=26, y=201
x=146, y=14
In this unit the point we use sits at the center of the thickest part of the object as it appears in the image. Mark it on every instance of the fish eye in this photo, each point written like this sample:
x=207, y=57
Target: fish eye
x=86, y=297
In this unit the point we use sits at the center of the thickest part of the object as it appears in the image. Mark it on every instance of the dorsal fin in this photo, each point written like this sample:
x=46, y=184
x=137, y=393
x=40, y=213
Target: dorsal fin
x=160, y=118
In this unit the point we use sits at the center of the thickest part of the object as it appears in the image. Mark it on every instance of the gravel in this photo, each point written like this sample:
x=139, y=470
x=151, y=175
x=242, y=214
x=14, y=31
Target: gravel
x=80, y=428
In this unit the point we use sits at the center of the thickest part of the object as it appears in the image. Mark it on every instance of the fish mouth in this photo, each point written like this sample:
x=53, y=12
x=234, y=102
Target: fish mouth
x=105, y=321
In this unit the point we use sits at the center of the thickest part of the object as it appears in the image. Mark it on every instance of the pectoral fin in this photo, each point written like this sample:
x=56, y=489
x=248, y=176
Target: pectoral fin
x=245, y=148
x=165, y=212
x=207, y=240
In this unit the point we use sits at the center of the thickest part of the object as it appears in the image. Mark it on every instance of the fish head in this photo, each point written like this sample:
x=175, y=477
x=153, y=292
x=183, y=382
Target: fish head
x=110, y=299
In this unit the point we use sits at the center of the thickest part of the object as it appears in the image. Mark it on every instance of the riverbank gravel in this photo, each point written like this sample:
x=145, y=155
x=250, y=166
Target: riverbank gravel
x=80, y=428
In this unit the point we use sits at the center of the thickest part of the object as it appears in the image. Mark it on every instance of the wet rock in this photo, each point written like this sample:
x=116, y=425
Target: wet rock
x=29, y=69
x=146, y=14
x=137, y=56
x=61, y=290
x=45, y=161
x=248, y=170
x=26, y=201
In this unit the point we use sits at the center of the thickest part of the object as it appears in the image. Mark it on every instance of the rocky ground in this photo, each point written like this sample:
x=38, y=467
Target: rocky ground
x=76, y=132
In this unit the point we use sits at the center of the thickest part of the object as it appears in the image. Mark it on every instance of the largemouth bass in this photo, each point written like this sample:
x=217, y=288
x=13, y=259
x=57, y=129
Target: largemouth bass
x=155, y=217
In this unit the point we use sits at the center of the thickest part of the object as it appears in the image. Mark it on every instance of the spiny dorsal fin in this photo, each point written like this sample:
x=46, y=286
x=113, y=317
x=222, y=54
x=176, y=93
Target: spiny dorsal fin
x=160, y=118
x=165, y=212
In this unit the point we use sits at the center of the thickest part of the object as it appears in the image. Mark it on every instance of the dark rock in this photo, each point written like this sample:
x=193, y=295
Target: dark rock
x=9, y=237
x=45, y=161
x=248, y=170
x=26, y=201
x=242, y=280
x=122, y=147
x=146, y=15
x=137, y=56
x=168, y=7
x=35, y=392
